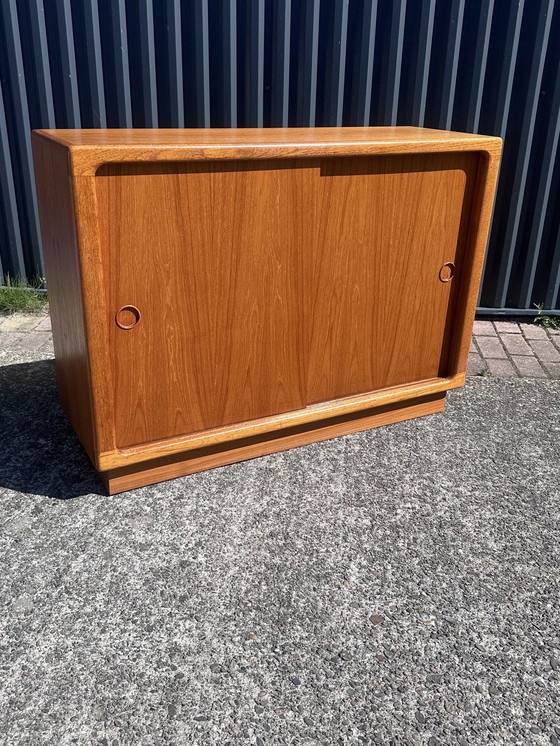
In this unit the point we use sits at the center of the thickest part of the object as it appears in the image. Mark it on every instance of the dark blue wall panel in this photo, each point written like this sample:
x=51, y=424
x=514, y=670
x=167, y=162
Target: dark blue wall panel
x=488, y=66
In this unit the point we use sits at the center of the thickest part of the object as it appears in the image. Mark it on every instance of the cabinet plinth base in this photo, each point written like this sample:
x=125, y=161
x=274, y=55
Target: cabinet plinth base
x=179, y=465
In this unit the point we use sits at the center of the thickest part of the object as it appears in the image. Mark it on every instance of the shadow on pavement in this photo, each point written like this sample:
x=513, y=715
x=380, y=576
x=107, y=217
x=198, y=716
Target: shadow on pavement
x=39, y=452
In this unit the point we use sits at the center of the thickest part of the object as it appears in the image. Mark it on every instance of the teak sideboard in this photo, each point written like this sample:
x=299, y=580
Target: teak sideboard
x=218, y=295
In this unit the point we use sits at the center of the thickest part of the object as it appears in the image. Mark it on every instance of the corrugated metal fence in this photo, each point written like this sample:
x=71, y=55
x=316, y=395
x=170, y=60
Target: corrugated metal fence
x=489, y=66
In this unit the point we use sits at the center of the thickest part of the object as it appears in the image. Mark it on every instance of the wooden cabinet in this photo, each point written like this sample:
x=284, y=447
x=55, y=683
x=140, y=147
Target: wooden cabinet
x=222, y=294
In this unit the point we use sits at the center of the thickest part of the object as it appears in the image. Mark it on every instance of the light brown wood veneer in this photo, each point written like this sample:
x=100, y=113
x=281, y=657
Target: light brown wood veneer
x=221, y=294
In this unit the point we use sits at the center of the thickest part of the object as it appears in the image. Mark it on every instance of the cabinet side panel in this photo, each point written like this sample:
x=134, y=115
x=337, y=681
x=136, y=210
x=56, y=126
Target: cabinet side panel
x=476, y=238
x=56, y=212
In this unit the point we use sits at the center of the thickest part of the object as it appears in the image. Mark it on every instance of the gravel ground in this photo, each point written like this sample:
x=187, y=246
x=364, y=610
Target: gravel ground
x=397, y=587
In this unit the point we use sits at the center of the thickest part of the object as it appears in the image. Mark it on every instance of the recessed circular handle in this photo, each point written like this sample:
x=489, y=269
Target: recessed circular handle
x=127, y=317
x=447, y=271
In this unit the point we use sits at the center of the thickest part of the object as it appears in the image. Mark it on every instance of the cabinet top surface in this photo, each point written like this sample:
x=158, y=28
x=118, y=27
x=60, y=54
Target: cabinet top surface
x=90, y=148
x=169, y=138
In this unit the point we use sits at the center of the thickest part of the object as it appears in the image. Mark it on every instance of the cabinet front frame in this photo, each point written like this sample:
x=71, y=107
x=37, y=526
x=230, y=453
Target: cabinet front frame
x=97, y=314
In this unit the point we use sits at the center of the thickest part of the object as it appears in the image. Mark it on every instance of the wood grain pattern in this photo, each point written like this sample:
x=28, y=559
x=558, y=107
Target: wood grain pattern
x=270, y=309
x=283, y=277
x=347, y=406
x=383, y=228
x=476, y=227
x=90, y=149
x=170, y=467
x=58, y=229
x=95, y=312
x=211, y=257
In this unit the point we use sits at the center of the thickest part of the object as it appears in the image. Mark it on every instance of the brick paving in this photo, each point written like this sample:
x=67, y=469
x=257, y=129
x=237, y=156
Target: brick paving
x=506, y=349
x=519, y=349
